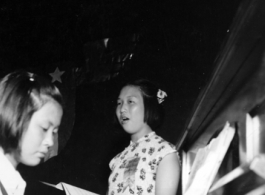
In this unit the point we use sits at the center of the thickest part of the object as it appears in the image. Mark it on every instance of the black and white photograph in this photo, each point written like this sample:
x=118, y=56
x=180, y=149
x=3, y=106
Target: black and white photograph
x=125, y=97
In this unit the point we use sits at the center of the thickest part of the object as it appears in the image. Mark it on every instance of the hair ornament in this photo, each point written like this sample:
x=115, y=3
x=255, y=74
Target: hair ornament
x=31, y=76
x=161, y=96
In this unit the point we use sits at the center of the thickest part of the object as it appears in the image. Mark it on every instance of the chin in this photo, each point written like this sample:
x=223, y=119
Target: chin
x=130, y=131
x=32, y=162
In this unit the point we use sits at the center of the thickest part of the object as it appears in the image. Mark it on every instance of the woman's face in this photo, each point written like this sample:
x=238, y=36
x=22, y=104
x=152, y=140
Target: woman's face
x=39, y=136
x=130, y=110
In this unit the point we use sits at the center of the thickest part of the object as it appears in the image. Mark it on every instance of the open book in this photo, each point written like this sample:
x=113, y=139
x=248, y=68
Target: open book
x=70, y=189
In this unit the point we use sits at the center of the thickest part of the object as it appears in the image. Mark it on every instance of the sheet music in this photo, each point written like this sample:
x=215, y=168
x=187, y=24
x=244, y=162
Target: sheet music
x=70, y=189
x=73, y=190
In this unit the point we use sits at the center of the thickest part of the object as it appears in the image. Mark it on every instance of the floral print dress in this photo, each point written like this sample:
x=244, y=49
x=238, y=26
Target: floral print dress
x=134, y=169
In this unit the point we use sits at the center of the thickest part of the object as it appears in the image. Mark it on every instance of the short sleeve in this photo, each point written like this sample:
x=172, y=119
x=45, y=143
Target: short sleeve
x=164, y=148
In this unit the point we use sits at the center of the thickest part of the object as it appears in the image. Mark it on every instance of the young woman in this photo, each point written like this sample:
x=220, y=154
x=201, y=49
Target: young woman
x=30, y=116
x=149, y=165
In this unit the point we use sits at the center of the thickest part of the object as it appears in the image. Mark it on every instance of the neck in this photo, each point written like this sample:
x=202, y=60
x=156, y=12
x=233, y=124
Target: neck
x=135, y=137
x=12, y=159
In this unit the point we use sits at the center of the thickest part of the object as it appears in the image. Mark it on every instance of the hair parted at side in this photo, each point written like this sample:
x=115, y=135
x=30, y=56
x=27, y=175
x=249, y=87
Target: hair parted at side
x=153, y=110
x=21, y=94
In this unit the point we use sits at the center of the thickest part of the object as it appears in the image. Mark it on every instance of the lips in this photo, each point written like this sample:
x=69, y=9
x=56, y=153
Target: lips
x=123, y=119
x=42, y=154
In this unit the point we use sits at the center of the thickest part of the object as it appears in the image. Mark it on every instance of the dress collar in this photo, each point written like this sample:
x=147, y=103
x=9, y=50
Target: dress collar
x=10, y=177
x=147, y=136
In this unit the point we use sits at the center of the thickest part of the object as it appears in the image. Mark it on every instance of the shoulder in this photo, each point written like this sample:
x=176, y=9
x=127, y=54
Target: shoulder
x=162, y=144
x=157, y=148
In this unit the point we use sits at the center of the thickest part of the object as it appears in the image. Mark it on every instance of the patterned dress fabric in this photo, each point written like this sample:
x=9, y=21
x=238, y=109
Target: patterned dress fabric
x=134, y=169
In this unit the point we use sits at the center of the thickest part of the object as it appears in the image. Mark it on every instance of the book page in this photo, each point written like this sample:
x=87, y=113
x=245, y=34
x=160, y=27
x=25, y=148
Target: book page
x=58, y=186
x=73, y=190
x=70, y=189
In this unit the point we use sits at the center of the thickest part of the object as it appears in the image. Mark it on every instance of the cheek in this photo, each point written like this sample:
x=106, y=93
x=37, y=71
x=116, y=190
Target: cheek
x=117, y=112
x=138, y=110
x=142, y=115
x=31, y=140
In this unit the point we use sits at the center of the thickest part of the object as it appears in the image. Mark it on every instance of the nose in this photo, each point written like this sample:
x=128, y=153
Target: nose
x=49, y=139
x=123, y=108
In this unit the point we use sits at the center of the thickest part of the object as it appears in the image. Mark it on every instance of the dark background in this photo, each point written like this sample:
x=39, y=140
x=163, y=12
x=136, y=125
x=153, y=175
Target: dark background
x=176, y=47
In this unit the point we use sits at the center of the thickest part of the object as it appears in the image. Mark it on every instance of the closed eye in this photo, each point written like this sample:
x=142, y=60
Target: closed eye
x=45, y=129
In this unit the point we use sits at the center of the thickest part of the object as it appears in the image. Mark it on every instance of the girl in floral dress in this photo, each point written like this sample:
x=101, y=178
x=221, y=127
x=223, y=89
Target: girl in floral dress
x=149, y=165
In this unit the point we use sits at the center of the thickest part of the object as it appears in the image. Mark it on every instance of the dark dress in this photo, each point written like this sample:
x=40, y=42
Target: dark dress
x=35, y=187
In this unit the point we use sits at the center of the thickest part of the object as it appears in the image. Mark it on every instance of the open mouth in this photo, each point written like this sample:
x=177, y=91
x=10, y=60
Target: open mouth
x=123, y=119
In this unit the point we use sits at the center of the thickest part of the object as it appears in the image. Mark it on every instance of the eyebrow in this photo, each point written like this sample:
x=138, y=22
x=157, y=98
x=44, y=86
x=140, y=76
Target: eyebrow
x=130, y=96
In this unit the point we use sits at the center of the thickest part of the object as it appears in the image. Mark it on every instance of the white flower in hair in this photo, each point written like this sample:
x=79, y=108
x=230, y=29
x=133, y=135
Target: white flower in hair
x=161, y=96
x=31, y=76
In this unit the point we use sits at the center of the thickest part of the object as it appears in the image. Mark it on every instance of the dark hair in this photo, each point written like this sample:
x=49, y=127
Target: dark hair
x=153, y=111
x=21, y=94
